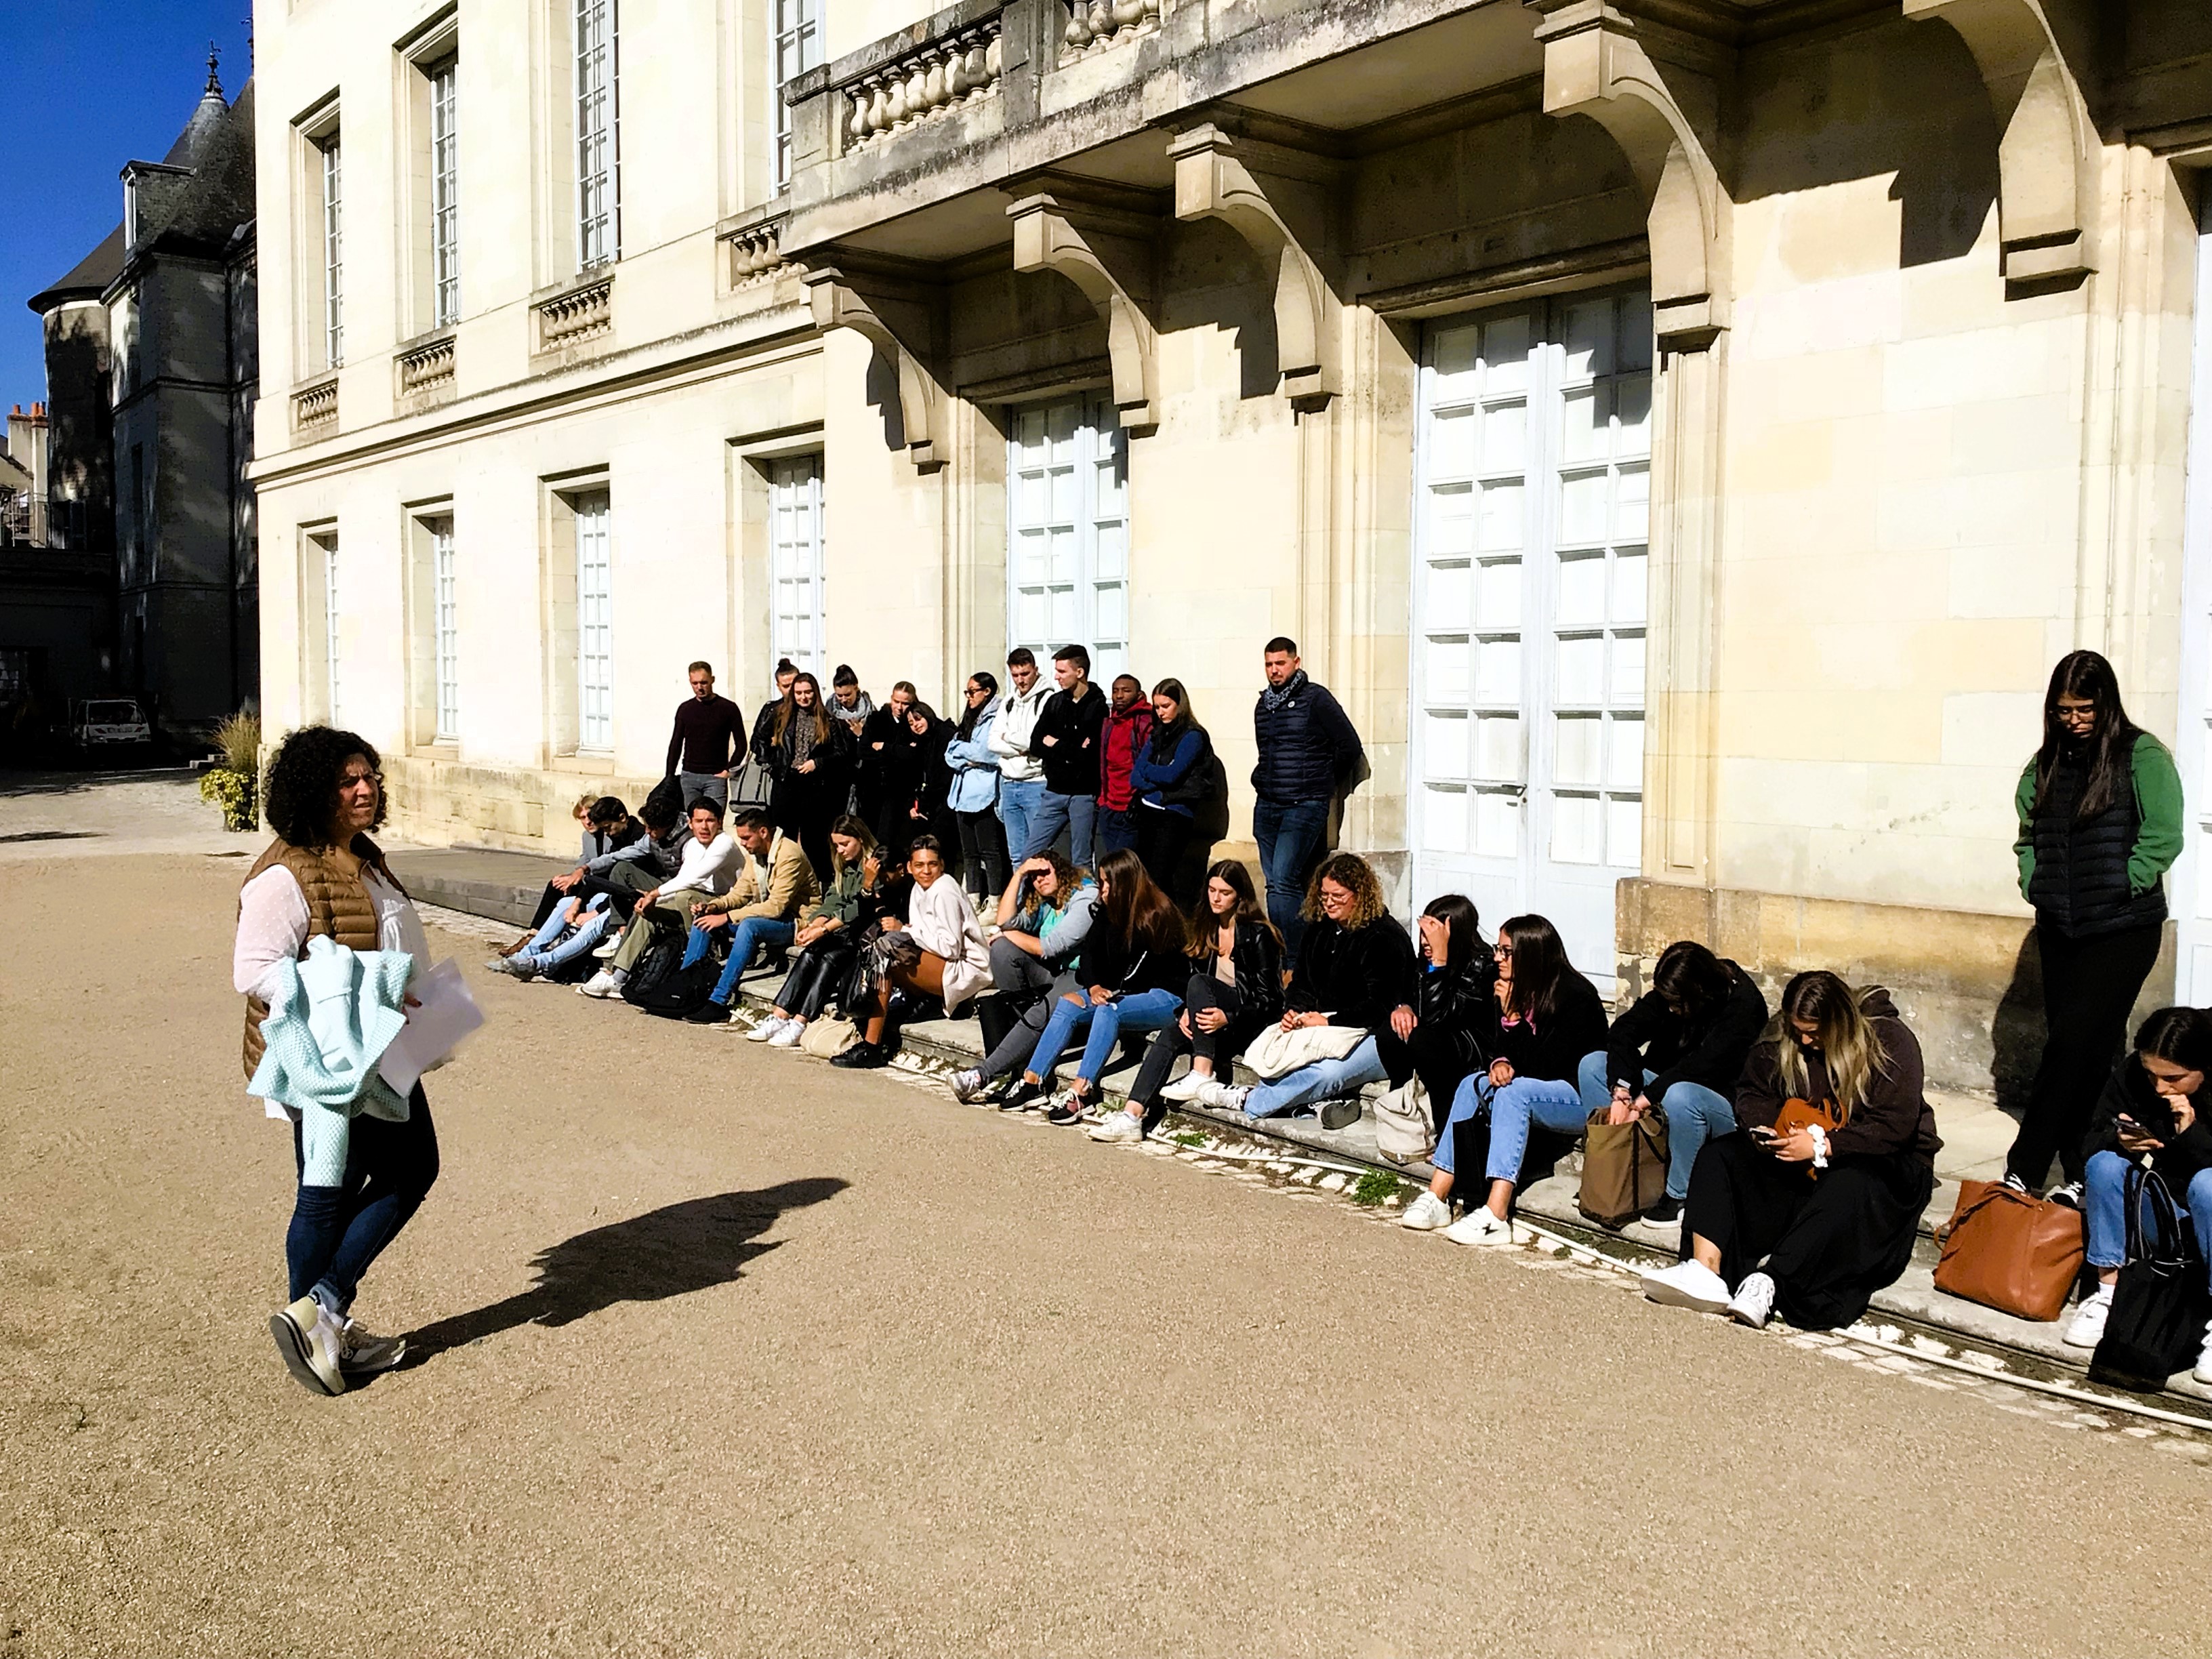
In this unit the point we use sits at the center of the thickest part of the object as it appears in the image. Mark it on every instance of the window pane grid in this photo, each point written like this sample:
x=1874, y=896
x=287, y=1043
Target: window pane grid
x=331, y=620
x=597, y=205
x=1067, y=566
x=333, y=255
x=446, y=629
x=594, y=624
x=445, y=201
x=800, y=623
x=798, y=49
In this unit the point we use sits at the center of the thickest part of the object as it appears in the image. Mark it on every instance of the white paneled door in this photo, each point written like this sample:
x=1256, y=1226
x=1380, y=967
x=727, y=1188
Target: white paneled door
x=794, y=489
x=1533, y=475
x=1067, y=517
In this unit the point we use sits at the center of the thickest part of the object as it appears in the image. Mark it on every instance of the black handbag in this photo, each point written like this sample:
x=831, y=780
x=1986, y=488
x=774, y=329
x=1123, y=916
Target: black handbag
x=655, y=963
x=2160, y=1306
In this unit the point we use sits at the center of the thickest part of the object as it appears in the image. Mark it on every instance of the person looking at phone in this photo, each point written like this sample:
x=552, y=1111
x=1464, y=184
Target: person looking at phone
x=1044, y=915
x=2154, y=1106
x=1833, y=1210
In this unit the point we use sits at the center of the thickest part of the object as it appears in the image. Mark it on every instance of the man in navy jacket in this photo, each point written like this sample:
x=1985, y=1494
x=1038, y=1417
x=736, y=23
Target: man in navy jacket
x=1309, y=755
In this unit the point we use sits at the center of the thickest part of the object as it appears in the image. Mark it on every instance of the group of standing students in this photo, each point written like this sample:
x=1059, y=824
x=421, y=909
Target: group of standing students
x=1808, y=1213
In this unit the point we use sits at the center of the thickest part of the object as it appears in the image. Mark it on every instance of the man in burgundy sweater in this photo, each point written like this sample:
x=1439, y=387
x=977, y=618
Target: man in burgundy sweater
x=709, y=732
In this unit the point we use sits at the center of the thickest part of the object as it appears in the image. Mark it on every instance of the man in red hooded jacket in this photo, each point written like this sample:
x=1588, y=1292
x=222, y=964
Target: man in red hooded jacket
x=1127, y=729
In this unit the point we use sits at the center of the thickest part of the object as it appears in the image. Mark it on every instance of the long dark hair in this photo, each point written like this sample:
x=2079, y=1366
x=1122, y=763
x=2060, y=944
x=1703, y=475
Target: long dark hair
x=1136, y=909
x=2111, y=741
x=1540, y=966
x=853, y=827
x=989, y=682
x=1691, y=980
x=1204, y=924
x=2181, y=1037
x=1165, y=737
x=789, y=706
x=1463, y=941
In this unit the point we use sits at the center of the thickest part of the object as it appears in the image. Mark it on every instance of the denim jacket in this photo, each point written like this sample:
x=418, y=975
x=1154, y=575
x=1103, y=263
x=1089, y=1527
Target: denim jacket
x=975, y=769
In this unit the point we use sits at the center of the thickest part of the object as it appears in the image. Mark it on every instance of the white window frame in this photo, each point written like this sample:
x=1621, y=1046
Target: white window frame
x=796, y=49
x=332, y=173
x=598, y=175
x=445, y=195
x=331, y=614
x=445, y=631
x=595, y=687
x=1067, y=522
x=797, y=565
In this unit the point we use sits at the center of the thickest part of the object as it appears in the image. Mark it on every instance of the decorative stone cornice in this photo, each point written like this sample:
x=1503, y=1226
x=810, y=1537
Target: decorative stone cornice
x=1107, y=251
x=899, y=319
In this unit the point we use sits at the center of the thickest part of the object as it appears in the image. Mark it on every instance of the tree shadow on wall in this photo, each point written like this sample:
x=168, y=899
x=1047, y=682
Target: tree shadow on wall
x=672, y=1251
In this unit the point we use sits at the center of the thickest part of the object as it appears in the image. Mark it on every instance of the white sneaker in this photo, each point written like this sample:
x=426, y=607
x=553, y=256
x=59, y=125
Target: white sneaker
x=600, y=985
x=1688, y=1285
x=1753, y=1302
x=361, y=1349
x=1190, y=1086
x=1426, y=1214
x=788, y=1036
x=1225, y=1096
x=2086, y=1328
x=607, y=950
x=1123, y=1126
x=1480, y=1225
x=766, y=1030
x=967, y=1086
x=2203, y=1372
x=309, y=1341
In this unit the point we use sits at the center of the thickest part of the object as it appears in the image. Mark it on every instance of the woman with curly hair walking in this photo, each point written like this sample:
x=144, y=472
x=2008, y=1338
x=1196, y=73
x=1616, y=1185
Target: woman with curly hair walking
x=324, y=876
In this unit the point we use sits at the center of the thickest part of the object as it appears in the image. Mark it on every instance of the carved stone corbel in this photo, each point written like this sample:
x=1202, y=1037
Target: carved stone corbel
x=899, y=323
x=2047, y=147
x=1658, y=93
x=1107, y=251
x=1281, y=201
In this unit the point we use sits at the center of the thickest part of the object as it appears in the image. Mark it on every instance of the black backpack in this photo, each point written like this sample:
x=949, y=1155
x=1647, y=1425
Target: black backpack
x=657, y=962
x=677, y=994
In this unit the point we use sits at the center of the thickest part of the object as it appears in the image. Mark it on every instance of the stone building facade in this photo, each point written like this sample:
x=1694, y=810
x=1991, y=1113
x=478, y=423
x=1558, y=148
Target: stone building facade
x=1683, y=432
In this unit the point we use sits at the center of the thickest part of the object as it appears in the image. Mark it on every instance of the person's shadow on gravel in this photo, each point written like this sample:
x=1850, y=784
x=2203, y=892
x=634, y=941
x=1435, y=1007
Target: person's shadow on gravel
x=692, y=1246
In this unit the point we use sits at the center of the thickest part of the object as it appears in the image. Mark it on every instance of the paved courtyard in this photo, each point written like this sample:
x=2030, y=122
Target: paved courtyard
x=727, y=1353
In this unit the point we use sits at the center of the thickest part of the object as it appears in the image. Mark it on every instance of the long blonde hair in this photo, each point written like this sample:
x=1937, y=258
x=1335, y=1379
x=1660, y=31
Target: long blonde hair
x=1853, y=1053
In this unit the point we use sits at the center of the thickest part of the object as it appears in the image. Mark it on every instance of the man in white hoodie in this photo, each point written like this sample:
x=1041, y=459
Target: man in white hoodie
x=1021, y=779
x=708, y=871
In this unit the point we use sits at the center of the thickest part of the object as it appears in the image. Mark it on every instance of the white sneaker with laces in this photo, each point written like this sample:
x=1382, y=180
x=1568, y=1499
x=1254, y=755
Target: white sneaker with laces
x=361, y=1349
x=766, y=1030
x=308, y=1340
x=967, y=1086
x=1227, y=1096
x=1753, y=1302
x=600, y=985
x=1190, y=1086
x=1426, y=1214
x=1480, y=1225
x=2086, y=1328
x=1688, y=1285
x=2203, y=1372
x=2069, y=1195
x=788, y=1036
x=1120, y=1125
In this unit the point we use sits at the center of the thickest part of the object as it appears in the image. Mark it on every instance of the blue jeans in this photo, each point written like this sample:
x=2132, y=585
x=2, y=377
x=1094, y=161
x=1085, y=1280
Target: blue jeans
x=1073, y=813
x=2104, y=1201
x=1556, y=1104
x=746, y=936
x=1017, y=806
x=1695, y=1115
x=1140, y=1011
x=1069, y=1017
x=337, y=1231
x=1289, y=834
x=1325, y=1079
x=1117, y=829
x=556, y=942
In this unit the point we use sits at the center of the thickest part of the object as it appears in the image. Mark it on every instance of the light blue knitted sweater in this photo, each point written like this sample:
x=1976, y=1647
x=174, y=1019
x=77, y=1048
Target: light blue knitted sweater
x=331, y=1018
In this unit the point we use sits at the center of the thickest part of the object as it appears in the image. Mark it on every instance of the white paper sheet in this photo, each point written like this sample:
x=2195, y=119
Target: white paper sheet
x=446, y=1013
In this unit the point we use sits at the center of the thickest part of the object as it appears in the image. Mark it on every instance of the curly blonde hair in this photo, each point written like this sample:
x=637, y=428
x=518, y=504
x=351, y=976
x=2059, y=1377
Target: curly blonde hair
x=1350, y=872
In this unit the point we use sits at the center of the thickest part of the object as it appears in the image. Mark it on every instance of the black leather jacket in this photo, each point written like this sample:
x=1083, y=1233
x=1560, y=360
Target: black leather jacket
x=1458, y=1005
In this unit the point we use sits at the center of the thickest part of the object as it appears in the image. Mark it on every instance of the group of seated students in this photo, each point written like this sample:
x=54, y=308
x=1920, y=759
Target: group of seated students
x=1807, y=1219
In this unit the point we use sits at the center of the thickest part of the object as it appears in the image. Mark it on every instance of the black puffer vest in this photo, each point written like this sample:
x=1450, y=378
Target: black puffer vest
x=2080, y=887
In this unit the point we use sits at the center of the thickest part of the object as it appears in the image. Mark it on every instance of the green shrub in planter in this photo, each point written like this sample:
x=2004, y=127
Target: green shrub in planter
x=234, y=792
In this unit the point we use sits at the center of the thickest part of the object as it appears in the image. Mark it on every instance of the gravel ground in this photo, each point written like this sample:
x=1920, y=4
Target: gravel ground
x=725, y=1352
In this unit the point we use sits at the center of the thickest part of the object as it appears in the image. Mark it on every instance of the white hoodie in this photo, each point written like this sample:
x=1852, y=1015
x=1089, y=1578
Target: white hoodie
x=1010, y=734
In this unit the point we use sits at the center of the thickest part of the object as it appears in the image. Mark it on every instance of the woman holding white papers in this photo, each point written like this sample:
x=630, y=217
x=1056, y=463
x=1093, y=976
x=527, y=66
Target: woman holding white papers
x=323, y=876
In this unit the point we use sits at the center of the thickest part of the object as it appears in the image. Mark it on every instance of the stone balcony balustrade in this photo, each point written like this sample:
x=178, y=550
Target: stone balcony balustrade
x=427, y=368
x=315, y=408
x=941, y=75
x=1097, y=25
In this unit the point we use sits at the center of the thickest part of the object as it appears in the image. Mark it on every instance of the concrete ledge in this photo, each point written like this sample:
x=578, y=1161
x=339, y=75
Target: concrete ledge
x=478, y=881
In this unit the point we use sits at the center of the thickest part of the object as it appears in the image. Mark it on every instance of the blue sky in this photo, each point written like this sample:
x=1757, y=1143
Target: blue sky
x=92, y=84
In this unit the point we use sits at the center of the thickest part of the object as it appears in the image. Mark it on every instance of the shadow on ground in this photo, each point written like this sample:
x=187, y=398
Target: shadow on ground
x=673, y=1251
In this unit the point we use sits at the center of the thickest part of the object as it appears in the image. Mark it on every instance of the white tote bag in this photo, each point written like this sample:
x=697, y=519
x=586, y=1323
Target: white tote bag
x=1276, y=1053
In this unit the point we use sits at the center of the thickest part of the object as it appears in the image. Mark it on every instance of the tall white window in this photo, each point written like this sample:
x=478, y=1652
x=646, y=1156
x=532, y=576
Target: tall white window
x=446, y=629
x=595, y=589
x=598, y=207
x=1535, y=482
x=795, y=495
x=334, y=253
x=798, y=49
x=445, y=200
x=330, y=614
x=1067, y=565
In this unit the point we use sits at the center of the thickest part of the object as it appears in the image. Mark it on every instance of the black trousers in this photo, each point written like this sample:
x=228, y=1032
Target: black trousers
x=983, y=852
x=1828, y=1244
x=1220, y=1047
x=1162, y=836
x=2089, y=985
x=1440, y=1058
x=817, y=972
x=805, y=806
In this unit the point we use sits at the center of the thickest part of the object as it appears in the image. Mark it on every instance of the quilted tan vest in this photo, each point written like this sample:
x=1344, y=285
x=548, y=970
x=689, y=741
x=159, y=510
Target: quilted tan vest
x=337, y=904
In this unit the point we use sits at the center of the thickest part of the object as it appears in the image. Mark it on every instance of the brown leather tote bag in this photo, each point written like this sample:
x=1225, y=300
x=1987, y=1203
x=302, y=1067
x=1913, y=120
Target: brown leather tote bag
x=2010, y=1250
x=1624, y=1168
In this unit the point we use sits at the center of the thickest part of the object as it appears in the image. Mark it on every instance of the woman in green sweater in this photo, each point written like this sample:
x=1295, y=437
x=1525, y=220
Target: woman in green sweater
x=2100, y=809
x=829, y=935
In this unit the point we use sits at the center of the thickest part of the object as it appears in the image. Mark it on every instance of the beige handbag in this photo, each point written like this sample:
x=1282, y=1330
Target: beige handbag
x=828, y=1037
x=1276, y=1053
x=1406, y=1124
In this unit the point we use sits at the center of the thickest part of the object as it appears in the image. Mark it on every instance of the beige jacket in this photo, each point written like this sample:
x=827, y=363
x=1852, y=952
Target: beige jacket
x=792, y=887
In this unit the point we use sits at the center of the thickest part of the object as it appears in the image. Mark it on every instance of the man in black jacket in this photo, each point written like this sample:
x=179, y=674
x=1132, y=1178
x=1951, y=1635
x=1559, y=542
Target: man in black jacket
x=1309, y=755
x=1066, y=738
